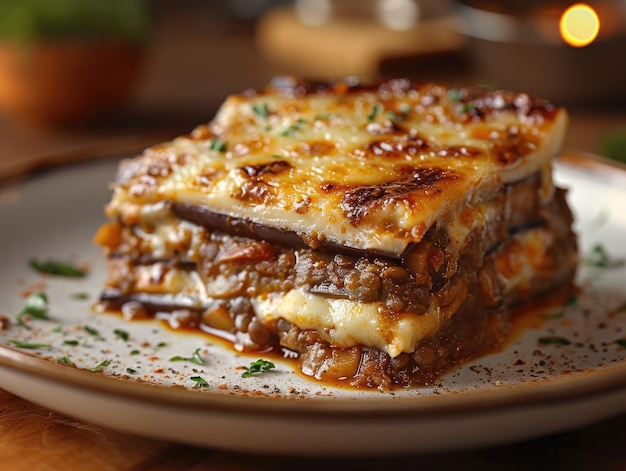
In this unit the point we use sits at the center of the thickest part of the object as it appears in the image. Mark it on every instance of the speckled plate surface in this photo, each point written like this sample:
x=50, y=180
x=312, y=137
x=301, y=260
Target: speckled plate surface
x=565, y=369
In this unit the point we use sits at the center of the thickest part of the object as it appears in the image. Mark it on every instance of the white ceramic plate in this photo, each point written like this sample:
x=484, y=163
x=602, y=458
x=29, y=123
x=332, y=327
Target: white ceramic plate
x=565, y=369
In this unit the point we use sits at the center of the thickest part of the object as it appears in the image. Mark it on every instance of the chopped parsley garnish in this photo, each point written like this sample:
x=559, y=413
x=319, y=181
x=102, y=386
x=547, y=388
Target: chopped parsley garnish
x=100, y=366
x=93, y=332
x=261, y=109
x=71, y=343
x=218, y=144
x=598, y=257
x=65, y=360
x=194, y=358
x=614, y=145
x=29, y=345
x=571, y=299
x=121, y=334
x=35, y=305
x=294, y=128
x=553, y=315
x=56, y=267
x=466, y=107
x=375, y=111
x=200, y=382
x=455, y=94
x=131, y=371
x=323, y=116
x=554, y=340
x=80, y=296
x=257, y=367
x=161, y=344
x=135, y=352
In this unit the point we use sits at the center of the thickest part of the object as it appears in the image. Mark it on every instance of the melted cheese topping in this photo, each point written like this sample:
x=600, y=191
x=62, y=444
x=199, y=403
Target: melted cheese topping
x=364, y=167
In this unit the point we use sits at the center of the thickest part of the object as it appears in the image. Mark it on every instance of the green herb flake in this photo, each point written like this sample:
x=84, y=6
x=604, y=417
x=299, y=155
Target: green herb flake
x=323, y=116
x=101, y=366
x=200, y=382
x=194, y=358
x=80, y=296
x=58, y=268
x=65, y=360
x=378, y=108
x=135, y=352
x=161, y=344
x=261, y=109
x=30, y=345
x=466, y=107
x=293, y=129
x=257, y=367
x=571, y=300
x=554, y=340
x=621, y=342
x=553, y=315
x=58, y=329
x=71, y=343
x=36, y=306
x=614, y=145
x=218, y=144
x=121, y=334
x=598, y=257
x=93, y=332
x=131, y=371
x=455, y=94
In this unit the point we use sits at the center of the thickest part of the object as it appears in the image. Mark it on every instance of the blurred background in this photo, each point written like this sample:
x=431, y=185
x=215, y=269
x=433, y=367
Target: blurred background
x=109, y=74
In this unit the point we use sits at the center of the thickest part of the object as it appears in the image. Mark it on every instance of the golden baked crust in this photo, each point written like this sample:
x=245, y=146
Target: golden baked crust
x=381, y=233
x=368, y=167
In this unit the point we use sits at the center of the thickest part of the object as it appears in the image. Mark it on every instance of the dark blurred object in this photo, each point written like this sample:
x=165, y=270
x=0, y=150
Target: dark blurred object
x=529, y=46
x=65, y=61
x=332, y=38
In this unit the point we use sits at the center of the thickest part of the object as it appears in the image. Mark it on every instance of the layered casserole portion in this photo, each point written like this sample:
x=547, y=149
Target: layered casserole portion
x=379, y=234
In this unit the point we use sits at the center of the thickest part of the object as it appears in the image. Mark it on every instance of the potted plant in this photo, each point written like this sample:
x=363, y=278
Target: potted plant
x=64, y=61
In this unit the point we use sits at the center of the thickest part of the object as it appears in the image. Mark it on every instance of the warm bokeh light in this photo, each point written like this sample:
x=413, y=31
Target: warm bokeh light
x=579, y=25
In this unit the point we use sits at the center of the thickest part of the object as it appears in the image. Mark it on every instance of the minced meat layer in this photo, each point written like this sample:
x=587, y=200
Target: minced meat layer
x=467, y=289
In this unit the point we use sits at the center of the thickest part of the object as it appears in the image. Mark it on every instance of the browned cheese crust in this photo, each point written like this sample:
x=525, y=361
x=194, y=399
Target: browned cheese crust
x=382, y=233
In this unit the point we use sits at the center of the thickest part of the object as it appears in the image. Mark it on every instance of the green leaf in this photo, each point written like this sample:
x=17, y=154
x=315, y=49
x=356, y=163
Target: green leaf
x=554, y=340
x=613, y=146
x=100, y=366
x=35, y=306
x=65, y=360
x=30, y=345
x=218, y=144
x=261, y=109
x=200, y=382
x=194, y=358
x=58, y=268
x=378, y=108
x=257, y=367
x=71, y=343
x=121, y=334
x=598, y=257
x=93, y=332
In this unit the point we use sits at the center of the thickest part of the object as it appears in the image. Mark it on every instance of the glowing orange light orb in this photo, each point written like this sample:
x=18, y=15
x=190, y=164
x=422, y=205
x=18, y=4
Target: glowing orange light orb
x=579, y=25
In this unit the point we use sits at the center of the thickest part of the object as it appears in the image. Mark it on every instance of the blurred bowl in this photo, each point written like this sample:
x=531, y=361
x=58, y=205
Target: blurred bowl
x=66, y=81
x=518, y=45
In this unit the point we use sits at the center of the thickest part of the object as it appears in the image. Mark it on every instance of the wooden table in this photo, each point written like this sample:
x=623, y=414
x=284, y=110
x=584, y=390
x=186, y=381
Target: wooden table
x=194, y=63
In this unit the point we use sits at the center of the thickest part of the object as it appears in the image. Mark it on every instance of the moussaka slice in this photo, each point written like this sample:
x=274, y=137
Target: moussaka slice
x=379, y=233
